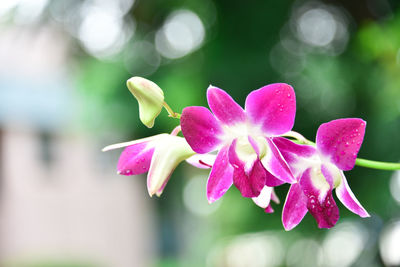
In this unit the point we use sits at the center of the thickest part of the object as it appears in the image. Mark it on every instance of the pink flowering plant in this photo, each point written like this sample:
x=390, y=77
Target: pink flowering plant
x=253, y=149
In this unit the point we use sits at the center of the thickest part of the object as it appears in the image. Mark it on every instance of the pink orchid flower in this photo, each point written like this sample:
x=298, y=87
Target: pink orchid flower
x=158, y=155
x=247, y=155
x=318, y=170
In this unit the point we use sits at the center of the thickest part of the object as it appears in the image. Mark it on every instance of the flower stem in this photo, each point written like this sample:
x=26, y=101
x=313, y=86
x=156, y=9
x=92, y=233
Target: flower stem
x=171, y=113
x=389, y=166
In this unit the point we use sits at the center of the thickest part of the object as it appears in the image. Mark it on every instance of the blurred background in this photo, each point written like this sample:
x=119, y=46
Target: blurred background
x=63, y=67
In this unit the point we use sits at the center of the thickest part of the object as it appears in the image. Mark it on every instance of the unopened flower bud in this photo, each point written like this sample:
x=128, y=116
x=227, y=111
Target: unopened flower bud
x=150, y=98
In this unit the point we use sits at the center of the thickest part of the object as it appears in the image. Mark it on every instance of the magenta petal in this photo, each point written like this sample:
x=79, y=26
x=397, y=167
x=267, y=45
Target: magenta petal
x=341, y=140
x=274, y=197
x=291, y=151
x=202, y=161
x=269, y=209
x=200, y=129
x=249, y=182
x=295, y=207
x=320, y=203
x=257, y=177
x=272, y=181
x=135, y=159
x=346, y=196
x=220, y=179
x=273, y=107
x=275, y=164
x=224, y=107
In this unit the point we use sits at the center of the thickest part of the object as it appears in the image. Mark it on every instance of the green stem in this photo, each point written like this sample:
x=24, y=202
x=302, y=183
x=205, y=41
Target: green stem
x=171, y=113
x=389, y=166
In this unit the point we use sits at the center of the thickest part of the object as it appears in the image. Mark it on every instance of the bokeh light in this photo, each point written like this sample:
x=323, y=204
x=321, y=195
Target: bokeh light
x=395, y=186
x=182, y=33
x=103, y=31
x=389, y=244
x=194, y=197
x=344, y=243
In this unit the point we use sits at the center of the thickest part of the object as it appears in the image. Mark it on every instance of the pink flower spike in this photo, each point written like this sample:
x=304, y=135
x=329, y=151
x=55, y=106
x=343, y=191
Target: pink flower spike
x=224, y=107
x=340, y=140
x=135, y=159
x=200, y=129
x=273, y=107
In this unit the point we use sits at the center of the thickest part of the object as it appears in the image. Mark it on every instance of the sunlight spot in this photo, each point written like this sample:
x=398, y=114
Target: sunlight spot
x=194, y=197
x=389, y=244
x=182, y=33
x=344, y=243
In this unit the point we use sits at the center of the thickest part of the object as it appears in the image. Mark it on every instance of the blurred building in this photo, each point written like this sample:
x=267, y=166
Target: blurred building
x=60, y=200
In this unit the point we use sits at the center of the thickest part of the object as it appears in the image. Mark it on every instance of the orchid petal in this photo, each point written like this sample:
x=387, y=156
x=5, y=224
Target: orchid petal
x=274, y=197
x=130, y=143
x=135, y=159
x=272, y=181
x=347, y=197
x=200, y=129
x=169, y=152
x=249, y=174
x=340, y=140
x=273, y=107
x=224, y=107
x=292, y=151
x=269, y=209
x=320, y=202
x=274, y=163
x=264, y=198
x=221, y=176
x=295, y=207
x=202, y=161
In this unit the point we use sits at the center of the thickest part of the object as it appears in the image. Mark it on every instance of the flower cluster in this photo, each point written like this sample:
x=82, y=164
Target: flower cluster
x=253, y=149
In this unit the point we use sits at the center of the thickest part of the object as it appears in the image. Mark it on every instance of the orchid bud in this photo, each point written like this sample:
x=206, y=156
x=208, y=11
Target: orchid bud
x=150, y=98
